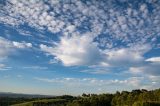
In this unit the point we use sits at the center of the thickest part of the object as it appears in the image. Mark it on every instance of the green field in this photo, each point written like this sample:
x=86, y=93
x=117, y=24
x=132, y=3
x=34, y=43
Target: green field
x=43, y=101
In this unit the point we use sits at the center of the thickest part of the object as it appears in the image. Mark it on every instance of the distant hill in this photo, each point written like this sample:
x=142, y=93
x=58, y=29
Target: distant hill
x=20, y=95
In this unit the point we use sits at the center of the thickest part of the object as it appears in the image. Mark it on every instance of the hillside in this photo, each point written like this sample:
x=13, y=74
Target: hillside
x=20, y=95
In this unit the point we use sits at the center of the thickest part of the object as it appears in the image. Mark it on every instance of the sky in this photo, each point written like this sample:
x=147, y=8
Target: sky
x=58, y=47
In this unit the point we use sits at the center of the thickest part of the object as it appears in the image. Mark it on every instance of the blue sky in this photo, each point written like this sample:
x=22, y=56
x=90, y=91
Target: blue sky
x=73, y=46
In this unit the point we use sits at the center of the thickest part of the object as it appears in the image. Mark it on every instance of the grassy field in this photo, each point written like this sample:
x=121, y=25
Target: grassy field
x=43, y=101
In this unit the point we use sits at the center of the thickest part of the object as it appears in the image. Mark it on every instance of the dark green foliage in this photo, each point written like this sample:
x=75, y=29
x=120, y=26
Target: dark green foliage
x=137, y=98
x=125, y=98
x=93, y=100
x=146, y=104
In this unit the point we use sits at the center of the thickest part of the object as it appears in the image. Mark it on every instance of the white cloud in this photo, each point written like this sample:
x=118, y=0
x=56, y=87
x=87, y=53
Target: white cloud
x=65, y=81
x=81, y=50
x=135, y=81
x=143, y=7
x=8, y=47
x=7, y=76
x=19, y=76
x=24, y=32
x=76, y=50
x=5, y=47
x=153, y=59
x=124, y=56
x=70, y=28
x=36, y=67
x=127, y=56
x=146, y=69
x=81, y=83
x=22, y=45
x=136, y=70
x=154, y=78
x=54, y=61
x=96, y=71
x=3, y=67
x=75, y=81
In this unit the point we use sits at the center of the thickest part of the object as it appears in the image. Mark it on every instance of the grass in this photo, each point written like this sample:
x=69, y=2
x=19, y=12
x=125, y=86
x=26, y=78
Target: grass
x=40, y=101
x=24, y=104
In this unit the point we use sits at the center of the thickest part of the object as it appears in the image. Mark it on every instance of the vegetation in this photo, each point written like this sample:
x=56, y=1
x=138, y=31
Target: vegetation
x=137, y=98
x=7, y=101
x=124, y=98
x=46, y=102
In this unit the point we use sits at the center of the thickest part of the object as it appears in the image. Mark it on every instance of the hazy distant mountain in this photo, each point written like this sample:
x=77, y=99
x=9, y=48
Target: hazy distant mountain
x=17, y=95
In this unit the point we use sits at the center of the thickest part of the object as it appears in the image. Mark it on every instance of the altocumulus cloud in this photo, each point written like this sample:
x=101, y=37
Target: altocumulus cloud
x=91, y=37
x=91, y=33
x=128, y=25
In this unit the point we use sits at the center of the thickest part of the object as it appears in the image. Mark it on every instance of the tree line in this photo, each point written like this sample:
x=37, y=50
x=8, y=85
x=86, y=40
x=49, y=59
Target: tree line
x=134, y=98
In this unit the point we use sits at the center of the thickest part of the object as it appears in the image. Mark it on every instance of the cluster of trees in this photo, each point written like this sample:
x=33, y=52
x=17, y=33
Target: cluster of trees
x=92, y=100
x=124, y=98
x=137, y=98
x=58, y=102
